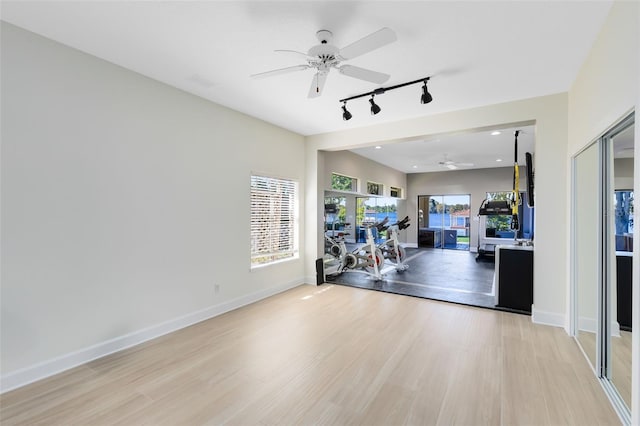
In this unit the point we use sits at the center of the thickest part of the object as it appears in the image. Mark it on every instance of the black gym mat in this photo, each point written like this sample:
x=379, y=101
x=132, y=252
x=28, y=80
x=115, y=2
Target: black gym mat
x=447, y=275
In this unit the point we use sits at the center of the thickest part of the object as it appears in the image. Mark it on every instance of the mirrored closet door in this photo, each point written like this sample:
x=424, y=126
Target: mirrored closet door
x=602, y=241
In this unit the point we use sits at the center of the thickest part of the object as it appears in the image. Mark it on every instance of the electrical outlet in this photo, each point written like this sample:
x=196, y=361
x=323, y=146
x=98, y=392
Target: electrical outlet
x=216, y=288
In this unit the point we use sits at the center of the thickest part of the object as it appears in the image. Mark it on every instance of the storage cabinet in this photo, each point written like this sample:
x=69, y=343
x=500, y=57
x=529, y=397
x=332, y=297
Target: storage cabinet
x=428, y=237
x=514, y=278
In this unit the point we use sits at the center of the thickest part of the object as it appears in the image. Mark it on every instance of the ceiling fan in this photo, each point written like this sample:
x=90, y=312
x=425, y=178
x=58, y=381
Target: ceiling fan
x=452, y=165
x=324, y=56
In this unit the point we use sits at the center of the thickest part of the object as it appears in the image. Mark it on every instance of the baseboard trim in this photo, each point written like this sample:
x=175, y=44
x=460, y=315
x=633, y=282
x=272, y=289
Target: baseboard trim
x=590, y=325
x=27, y=375
x=547, y=318
x=410, y=245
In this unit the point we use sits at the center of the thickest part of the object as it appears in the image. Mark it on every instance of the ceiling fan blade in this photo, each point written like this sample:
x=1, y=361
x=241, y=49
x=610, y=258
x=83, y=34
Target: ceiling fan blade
x=317, y=84
x=364, y=74
x=451, y=166
x=371, y=42
x=292, y=52
x=280, y=71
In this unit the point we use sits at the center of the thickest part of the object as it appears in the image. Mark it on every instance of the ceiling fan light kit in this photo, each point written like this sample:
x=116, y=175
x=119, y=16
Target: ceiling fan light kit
x=424, y=99
x=324, y=56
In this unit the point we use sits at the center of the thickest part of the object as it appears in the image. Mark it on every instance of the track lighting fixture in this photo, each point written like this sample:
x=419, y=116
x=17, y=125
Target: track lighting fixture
x=375, y=108
x=426, y=96
x=346, y=115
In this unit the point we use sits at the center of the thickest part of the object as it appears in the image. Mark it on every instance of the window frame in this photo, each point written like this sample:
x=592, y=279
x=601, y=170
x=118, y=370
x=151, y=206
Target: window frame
x=378, y=186
x=354, y=183
x=397, y=189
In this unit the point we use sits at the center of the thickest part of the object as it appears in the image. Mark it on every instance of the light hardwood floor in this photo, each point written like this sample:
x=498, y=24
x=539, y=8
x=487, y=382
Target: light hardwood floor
x=331, y=355
x=620, y=362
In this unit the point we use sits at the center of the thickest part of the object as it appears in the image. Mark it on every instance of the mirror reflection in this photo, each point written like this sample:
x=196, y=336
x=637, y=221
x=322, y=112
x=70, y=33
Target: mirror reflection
x=621, y=193
x=586, y=232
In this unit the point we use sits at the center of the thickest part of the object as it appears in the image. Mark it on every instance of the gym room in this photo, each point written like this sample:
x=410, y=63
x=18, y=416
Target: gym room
x=449, y=253
x=171, y=171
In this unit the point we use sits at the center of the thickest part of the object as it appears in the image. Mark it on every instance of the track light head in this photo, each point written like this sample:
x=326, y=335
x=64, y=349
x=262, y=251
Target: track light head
x=374, y=107
x=346, y=115
x=426, y=96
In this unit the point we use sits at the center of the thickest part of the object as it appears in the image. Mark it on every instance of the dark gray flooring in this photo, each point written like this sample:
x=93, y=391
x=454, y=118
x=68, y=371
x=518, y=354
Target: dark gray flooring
x=448, y=275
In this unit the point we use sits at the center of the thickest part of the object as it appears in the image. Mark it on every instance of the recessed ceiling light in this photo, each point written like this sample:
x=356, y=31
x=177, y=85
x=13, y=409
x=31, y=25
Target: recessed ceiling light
x=498, y=159
x=378, y=147
x=415, y=167
x=496, y=133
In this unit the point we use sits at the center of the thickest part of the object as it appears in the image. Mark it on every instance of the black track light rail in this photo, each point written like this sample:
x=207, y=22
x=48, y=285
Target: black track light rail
x=382, y=90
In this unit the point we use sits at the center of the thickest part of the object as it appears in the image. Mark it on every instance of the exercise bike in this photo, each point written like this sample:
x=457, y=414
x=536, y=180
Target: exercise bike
x=336, y=247
x=367, y=259
x=391, y=248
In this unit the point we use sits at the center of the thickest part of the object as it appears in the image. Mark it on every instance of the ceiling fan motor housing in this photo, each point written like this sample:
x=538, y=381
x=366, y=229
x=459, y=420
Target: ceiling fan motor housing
x=324, y=55
x=324, y=36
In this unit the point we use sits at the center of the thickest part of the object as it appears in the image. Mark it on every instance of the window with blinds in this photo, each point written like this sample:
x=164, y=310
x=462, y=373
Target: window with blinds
x=274, y=220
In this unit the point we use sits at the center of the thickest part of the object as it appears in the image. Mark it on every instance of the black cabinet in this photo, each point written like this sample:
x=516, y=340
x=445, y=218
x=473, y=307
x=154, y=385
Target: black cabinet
x=624, y=274
x=514, y=278
x=429, y=237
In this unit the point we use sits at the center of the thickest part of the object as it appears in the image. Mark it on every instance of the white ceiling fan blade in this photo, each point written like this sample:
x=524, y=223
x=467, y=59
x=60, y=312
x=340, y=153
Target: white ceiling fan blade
x=371, y=42
x=464, y=164
x=280, y=71
x=292, y=52
x=364, y=74
x=317, y=84
x=451, y=166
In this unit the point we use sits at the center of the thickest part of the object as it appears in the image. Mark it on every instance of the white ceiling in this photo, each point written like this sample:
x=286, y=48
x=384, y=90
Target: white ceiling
x=478, y=150
x=477, y=52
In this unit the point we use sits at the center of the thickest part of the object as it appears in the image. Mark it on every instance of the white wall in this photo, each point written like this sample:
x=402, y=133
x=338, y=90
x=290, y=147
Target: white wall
x=366, y=170
x=474, y=182
x=124, y=201
x=623, y=169
x=606, y=89
x=548, y=113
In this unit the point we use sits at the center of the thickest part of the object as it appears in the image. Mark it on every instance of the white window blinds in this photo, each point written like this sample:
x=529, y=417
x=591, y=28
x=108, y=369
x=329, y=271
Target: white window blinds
x=274, y=222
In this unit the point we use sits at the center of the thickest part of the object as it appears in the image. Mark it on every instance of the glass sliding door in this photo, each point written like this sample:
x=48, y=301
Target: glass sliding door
x=443, y=221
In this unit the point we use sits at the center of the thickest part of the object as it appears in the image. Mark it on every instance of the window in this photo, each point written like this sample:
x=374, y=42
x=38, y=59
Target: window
x=274, y=220
x=624, y=212
x=374, y=188
x=395, y=192
x=343, y=183
x=499, y=226
x=340, y=204
x=371, y=210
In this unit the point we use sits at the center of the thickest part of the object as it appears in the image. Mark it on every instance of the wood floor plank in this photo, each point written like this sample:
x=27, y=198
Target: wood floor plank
x=330, y=355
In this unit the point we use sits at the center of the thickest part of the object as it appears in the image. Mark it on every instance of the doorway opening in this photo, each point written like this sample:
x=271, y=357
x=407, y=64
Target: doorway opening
x=444, y=221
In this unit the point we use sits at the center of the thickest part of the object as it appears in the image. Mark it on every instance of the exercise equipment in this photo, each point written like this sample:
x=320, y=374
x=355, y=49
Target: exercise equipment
x=370, y=258
x=335, y=246
x=391, y=249
x=515, y=201
x=530, y=176
x=367, y=259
